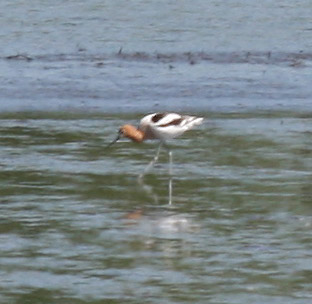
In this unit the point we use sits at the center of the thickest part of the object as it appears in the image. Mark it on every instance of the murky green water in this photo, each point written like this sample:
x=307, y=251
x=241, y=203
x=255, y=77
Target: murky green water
x=77, y=227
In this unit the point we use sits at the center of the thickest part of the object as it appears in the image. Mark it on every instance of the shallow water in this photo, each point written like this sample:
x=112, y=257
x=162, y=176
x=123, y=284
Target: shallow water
x=147, y=56
x=149, y=82
x=77, y=226
x=49, y=27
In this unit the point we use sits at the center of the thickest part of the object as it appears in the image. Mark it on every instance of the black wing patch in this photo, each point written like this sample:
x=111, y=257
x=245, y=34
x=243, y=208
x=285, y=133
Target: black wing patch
x=174, y=122
x=157, y=117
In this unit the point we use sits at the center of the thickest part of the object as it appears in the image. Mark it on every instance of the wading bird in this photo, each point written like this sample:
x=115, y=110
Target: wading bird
x=159, y=126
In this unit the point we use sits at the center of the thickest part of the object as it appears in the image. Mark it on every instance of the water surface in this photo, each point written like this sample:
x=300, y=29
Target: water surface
x=77, y=226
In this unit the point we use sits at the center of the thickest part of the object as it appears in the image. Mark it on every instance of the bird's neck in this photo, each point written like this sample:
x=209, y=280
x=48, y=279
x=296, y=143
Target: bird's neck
x=133, y=133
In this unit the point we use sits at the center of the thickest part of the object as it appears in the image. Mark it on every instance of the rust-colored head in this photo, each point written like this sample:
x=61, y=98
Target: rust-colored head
x=131, y=132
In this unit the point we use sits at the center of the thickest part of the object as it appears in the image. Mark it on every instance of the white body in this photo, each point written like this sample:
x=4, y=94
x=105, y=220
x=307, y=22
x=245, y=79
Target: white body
x=164, y=126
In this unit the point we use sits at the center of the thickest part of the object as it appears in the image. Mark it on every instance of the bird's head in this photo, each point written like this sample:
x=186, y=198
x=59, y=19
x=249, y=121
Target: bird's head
x=130, y=132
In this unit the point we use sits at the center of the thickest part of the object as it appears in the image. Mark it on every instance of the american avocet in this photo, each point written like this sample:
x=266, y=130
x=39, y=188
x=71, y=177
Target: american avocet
x=161, y=126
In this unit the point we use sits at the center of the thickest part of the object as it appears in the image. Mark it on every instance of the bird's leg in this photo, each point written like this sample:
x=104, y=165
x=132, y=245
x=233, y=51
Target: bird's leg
x=152, y=163
x=170, y=175
x=170, y=162
x=148, y=189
